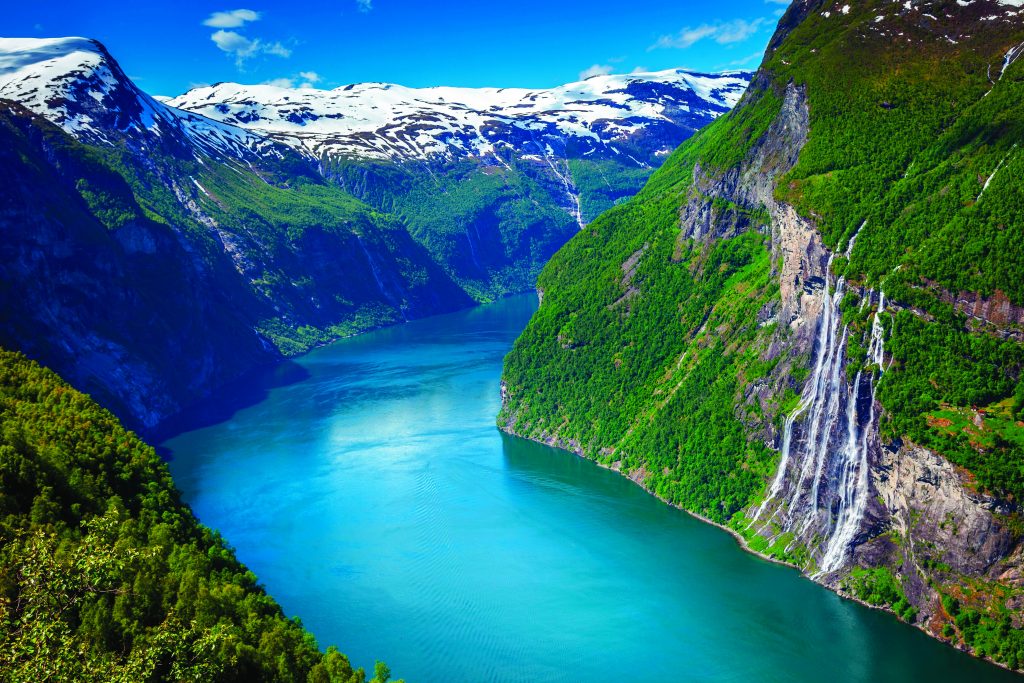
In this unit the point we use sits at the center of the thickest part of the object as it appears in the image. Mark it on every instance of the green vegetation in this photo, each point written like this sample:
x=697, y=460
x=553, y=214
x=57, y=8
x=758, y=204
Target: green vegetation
x=941, y=363
x=604, y=183
x=879, y=586
x=106, y=576
x=638, y=350
x=490, y=227
x=980, y=617
x=785, y=547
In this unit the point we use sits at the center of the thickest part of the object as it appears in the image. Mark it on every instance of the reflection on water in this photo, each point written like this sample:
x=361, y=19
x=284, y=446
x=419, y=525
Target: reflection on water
x=374, y=498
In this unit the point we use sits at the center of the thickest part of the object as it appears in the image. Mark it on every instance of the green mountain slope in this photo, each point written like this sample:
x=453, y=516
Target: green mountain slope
x=725, y=323
x=149, y=275
x=105, y=575
x=492, y=227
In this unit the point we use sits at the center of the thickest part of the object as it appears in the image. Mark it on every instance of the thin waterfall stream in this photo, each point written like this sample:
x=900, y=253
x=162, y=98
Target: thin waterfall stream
x=821, y=488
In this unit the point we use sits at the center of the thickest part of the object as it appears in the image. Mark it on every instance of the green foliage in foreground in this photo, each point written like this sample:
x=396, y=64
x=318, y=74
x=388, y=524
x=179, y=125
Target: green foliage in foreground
x=105, y=575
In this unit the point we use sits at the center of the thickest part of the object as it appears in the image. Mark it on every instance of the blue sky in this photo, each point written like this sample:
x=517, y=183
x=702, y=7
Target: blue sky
x=169, y=47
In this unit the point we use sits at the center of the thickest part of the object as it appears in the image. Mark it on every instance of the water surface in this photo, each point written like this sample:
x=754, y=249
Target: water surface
x=374, y=498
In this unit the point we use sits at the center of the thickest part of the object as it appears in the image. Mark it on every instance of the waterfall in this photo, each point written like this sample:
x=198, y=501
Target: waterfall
x=821, y=489
x=377, y=278
x=853, y=481
x=810, y=396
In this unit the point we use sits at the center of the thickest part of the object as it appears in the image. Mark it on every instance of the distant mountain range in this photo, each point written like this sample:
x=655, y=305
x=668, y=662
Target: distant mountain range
x=157, y=248
x=635, y=116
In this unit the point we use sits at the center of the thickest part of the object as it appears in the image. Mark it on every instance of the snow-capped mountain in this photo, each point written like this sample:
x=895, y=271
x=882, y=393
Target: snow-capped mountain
x=76, y=84
x=603, y=114
x=635, y=119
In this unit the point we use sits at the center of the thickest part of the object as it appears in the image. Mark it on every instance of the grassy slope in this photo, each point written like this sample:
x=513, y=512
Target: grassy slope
x=105, y=575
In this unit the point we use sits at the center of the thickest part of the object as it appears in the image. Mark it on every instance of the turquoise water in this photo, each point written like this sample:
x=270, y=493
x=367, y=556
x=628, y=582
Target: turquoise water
x=367, y=487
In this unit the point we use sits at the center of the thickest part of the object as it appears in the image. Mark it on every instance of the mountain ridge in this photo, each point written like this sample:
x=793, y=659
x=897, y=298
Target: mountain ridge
x=419, y=123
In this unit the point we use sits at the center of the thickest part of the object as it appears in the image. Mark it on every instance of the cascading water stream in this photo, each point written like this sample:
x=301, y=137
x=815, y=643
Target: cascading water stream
x=821, y=489
x=853, y=481
x=809, y=398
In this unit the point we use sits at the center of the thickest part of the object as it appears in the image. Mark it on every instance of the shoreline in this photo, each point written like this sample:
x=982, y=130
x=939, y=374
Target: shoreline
x=741, y=541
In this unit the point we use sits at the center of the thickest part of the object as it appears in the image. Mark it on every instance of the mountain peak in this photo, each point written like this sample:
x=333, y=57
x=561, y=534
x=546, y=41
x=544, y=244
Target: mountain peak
x=75, y=83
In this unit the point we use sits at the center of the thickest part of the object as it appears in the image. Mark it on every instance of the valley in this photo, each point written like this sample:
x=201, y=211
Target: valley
x=370, y=327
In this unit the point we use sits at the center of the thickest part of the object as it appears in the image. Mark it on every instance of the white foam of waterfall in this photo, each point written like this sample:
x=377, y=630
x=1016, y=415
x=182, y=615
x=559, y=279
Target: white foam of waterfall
x=829, y=453
x=821, y=434
x=376, y=271
x=998, y=166
x=853, y=478
x=1010, y=58
x=825, y=406
x=806, y=401
x=853, y=240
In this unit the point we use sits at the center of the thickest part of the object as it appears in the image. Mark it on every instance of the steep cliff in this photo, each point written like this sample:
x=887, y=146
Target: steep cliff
x=804, y=325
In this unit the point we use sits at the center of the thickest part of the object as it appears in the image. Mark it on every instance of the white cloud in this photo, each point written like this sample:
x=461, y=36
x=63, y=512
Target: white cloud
x=749, y=60
x=686, y=37
x=364, y=5
x=231, y=18
x=595, y=70
x=723, y=33
x=276, y=49
x=303, y=79
x=242, y=48
x=235, y=44
x=639, y=70
x=280, y=82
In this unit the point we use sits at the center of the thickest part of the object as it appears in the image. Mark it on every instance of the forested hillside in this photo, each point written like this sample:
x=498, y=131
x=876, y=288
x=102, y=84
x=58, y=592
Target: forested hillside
x=808, y=325
x=105, y=575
